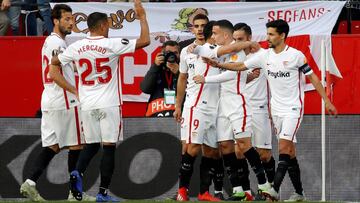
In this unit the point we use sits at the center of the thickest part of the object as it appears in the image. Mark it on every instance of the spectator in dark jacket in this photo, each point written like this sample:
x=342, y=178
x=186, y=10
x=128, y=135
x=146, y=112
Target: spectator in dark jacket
x=160, y=81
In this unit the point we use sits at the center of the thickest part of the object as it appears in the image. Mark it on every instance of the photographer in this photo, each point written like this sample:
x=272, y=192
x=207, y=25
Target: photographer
x=160, y=81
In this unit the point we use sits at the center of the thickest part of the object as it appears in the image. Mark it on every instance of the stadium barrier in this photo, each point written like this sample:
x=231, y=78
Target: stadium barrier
x=147, y=160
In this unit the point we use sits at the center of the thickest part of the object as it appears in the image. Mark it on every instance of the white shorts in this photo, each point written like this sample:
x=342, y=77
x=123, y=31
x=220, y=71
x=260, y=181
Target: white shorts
x=286, y=127
x=261, y=128
x=234, y=118
x=198, y=127
x=102, y=125
x=62, y=127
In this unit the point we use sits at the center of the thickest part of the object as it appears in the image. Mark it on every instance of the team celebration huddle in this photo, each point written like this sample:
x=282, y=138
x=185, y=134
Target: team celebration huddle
x=232, y=96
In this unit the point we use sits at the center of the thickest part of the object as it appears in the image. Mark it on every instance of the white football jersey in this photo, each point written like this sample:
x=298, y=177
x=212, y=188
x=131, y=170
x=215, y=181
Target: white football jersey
x=97, y=61
x=285, y=73
x=201, y=96
x=53, y=96
x=257, y=90
x=238, y=82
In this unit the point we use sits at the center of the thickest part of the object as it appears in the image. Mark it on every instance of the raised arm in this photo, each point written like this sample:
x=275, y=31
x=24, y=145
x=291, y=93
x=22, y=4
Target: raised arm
x=236, y=47
x=180, y=94
x=320, y=89
x=219, y=78
x=237, y=66
x=144, y=39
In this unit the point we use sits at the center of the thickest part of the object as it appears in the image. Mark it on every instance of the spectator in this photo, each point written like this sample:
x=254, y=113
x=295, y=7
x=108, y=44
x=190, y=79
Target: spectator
x=44, y=14
x=14, y=14
x=4, y=20
x=160, y=81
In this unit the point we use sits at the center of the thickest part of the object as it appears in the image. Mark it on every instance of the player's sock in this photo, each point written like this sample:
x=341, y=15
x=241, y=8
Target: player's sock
x=283, y=165
x=244, y=173
x=86, y=155
x=232, y=169
x=73, y=156
x=254, y=159
x=218, y=174
x=205, y=174
x=294, y=174
x=42, y=161
x=103, y=191
x=107, y=165
x=186, y=170
x=270, y=169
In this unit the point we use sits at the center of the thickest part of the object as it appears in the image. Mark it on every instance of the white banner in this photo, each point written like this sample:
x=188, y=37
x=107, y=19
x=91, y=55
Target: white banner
x=173, y=20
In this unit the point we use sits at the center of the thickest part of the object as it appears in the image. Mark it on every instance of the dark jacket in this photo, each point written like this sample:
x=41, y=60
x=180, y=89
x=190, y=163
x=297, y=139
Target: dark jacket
x=155, y=81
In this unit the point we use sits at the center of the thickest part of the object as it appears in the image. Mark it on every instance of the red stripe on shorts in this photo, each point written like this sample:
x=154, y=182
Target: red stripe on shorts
x=301, y=103
x=65, y=94
x=77, y=125
x=196, y=102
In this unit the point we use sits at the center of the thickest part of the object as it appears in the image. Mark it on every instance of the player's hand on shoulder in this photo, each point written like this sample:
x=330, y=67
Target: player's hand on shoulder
x=191, y=48
x=210, y=61
x=139, y=10
x=199, y=79
x=254, y=47
x=331, y=108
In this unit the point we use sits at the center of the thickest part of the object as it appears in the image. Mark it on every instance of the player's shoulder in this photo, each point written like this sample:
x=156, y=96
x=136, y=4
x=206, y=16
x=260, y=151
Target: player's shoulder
x=294, y=51
x=55, y=40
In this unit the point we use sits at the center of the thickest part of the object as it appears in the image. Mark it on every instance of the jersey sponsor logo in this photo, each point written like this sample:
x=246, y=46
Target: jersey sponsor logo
x=124, y=41
x=279, y=74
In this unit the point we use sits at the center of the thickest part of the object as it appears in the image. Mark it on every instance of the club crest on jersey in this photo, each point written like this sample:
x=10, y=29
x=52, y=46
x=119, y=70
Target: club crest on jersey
x=234, y=57
x=124, y=41
x=285, y=63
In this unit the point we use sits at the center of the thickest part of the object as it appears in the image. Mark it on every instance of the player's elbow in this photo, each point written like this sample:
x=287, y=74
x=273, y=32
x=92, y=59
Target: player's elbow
x=55, y=60
x=141, y=43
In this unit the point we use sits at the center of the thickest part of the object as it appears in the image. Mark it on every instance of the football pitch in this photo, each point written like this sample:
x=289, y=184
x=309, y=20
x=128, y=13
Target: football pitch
x=149, y=201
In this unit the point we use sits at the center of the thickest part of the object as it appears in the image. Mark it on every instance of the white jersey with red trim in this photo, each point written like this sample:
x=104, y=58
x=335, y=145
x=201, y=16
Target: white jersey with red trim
x=97, y=61
x=201, y=96
x=257, y=90
x=53, y=96
x=285, y=73
x=238, y=82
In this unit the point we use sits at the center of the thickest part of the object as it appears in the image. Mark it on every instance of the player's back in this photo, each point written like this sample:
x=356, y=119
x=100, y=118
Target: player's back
x=257, y=90
x=238, y=83
x=54, y=97
x=97, y=61
x=203, y=96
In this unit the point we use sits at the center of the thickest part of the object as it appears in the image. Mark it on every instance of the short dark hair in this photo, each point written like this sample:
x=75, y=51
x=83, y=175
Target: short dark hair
x=244, y=27
x=208, y=29
x=171, y=43
x=58, y=10
x=95, y=19
x=280, y=25
x=200, y=16
x=224, y=24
